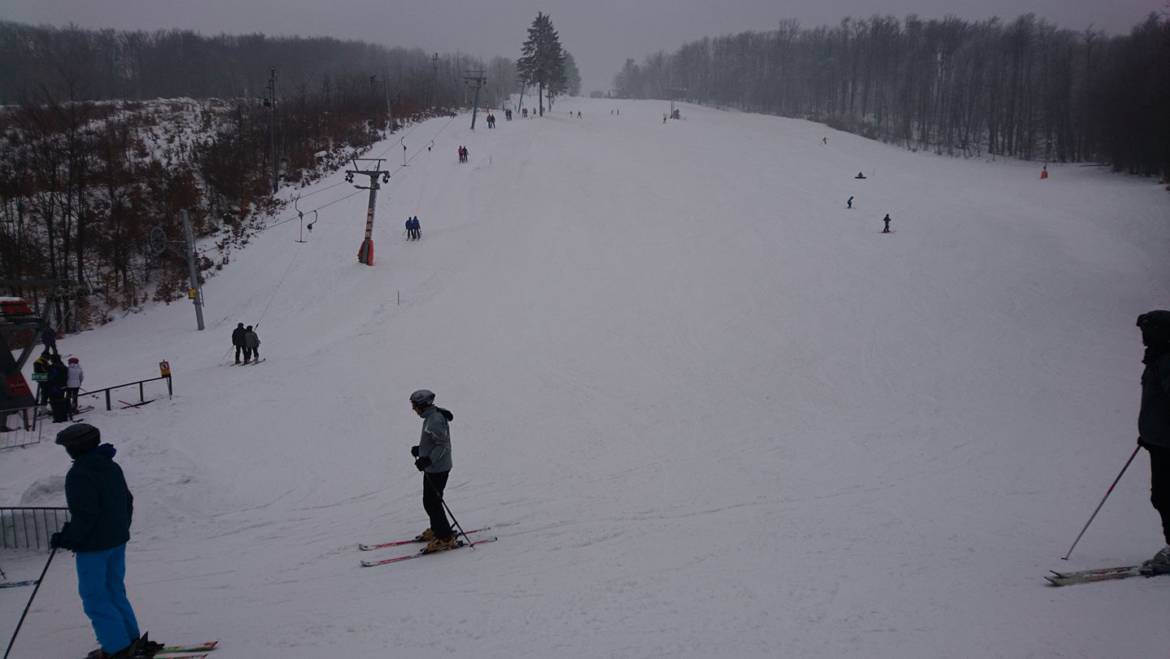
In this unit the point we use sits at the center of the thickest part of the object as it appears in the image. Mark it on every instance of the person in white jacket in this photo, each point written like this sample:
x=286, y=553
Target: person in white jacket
x=73, y=383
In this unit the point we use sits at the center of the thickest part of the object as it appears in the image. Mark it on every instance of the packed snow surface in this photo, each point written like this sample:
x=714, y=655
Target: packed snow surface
x=709, y=410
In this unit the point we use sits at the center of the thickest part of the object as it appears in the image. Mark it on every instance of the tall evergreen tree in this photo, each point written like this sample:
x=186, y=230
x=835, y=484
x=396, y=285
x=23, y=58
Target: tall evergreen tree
x=543, y=61
x=572, y=75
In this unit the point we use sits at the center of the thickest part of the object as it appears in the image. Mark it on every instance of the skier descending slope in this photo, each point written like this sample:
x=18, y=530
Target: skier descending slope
x=433, y=459
x=1154, y=423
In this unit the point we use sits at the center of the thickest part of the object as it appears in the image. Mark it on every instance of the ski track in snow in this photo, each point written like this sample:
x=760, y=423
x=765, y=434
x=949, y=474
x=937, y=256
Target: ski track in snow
x=708, y=409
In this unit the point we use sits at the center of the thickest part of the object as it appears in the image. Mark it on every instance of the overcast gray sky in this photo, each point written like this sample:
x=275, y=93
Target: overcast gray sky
x=599, y=33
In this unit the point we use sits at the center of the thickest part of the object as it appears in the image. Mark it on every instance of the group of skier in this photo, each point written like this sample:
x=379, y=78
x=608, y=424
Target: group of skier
x=58, y=385
x=464, y=154
x=413, y=228
x=848, y=203
x=246, y=341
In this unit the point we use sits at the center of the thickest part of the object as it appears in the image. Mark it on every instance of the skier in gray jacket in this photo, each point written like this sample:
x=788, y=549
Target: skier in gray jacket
x=433, y=458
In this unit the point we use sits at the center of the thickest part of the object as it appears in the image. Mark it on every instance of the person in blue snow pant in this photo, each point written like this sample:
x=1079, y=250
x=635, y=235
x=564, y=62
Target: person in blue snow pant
x=100, y=510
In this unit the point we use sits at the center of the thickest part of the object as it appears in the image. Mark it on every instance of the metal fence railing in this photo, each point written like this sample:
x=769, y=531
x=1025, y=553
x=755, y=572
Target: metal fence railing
x=29, y=527
x=19, y=427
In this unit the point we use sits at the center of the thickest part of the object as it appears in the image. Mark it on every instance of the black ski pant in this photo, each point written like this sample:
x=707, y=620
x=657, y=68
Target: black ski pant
x=1160, y=485
x=60, y=408
x=433, y=486
x=239, y=349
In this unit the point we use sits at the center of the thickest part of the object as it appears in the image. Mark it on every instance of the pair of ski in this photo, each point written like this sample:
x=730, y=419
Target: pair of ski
x=192, y=651
x=17, y=584
x=419, y=553
x=251, y=363
x=1099, y=574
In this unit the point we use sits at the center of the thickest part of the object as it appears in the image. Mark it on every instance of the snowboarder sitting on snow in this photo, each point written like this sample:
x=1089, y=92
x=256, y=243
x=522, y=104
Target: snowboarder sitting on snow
x=1154, y=424
x=100, y=510
x=433, y=458
x=859, y=175
x=238, y=340
x=251, y=345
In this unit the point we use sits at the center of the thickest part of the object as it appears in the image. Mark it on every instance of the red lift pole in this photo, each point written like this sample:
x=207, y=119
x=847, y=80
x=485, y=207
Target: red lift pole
x=366, y=251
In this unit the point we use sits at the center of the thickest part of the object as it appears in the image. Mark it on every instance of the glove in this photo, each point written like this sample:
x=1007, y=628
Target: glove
x=55, y=541
x=414, y=451
x=422, y=463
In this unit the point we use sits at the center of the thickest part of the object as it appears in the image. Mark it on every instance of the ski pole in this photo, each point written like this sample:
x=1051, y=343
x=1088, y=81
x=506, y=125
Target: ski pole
x=30, y=601
x=448, y=509
x=1107, y=493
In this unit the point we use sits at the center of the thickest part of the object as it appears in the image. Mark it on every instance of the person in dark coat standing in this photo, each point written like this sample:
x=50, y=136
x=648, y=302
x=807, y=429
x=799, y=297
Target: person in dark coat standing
x=886, y=219
x=433, y=458
x=41, y=377
x=58, y=382
x=100, y=509
x=1154, y=423
x=238, y=340
x=251, y=345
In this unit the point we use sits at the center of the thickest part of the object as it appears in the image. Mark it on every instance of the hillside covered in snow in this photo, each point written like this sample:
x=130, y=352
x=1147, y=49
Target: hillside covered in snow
x=707, y=409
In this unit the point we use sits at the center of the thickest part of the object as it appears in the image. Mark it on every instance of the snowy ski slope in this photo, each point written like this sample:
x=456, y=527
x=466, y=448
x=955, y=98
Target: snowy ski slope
x=708, y=410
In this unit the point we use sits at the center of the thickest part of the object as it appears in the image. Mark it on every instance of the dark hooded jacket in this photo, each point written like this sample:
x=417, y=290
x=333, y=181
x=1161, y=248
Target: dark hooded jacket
x=100, y=503
x=1154, y=417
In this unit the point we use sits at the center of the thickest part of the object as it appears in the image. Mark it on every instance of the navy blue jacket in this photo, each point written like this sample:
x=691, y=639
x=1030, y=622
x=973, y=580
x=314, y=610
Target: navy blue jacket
x=100, y=503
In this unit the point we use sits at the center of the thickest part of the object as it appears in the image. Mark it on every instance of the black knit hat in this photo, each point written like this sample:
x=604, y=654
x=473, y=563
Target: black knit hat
x=1155, y=326
x=79, y=437
x=422, y=398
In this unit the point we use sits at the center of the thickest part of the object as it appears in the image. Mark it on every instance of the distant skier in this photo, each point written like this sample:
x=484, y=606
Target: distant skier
x=251, y=345
x=1044, y=172
x=433, y=458
x=825, y=141
x=1154, y=423
x=417, y=227
x=849, y=202
x=100, y=510
x=238, y=340
x=410, y=228
x=49, y=339
x=73, y=383
x=886, y=219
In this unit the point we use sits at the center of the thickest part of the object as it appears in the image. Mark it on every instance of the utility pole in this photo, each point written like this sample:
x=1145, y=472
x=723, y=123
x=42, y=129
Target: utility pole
x=479, y=80
x=272, y=130
x=195, y=292
x=366, y=251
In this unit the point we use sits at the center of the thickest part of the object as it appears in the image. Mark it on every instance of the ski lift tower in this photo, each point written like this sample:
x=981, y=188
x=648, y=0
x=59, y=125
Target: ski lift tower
x=366, y=251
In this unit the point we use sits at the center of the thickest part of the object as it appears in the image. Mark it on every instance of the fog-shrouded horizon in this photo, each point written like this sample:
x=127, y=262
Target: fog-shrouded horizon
x=600, y=34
